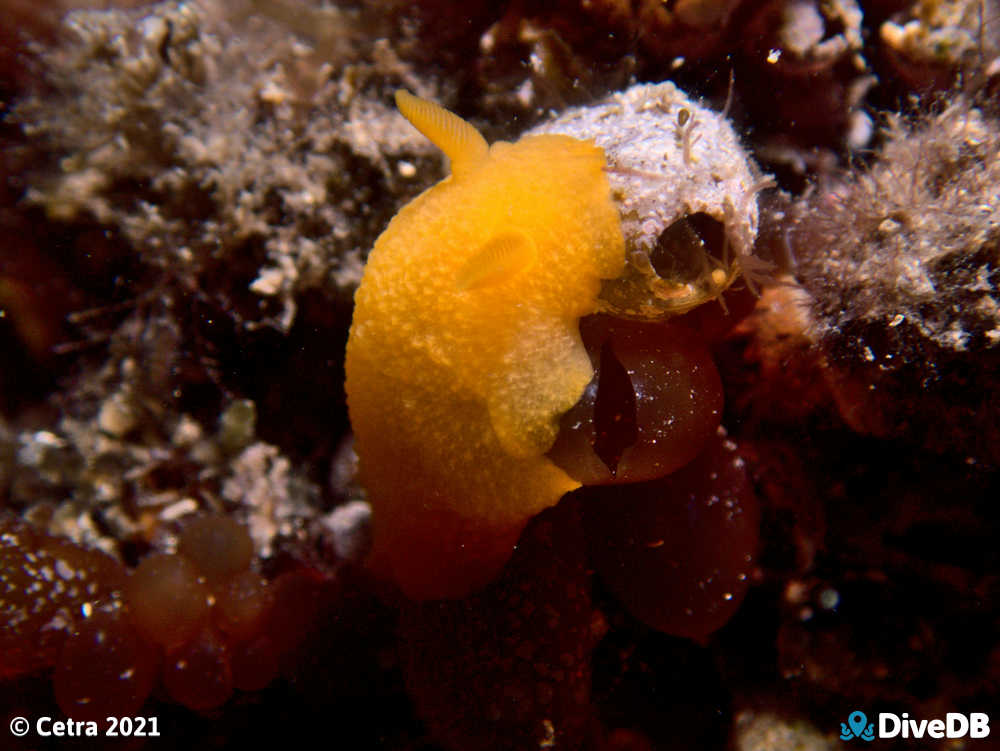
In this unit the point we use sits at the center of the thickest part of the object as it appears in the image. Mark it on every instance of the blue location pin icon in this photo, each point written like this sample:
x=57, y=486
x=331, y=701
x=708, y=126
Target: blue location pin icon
x=857, y=721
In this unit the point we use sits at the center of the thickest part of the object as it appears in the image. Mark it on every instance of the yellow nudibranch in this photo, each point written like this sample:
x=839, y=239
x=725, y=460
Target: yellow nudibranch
x=465, y=348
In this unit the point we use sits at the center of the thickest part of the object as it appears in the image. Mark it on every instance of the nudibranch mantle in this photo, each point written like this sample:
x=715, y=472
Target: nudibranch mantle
x=465, y=349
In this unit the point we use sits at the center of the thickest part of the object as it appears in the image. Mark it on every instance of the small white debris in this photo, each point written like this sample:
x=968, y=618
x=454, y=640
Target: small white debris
x=349, y=526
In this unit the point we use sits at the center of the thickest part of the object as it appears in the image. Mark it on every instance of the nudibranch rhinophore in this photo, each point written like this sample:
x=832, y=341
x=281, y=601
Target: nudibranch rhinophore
x=465, y=349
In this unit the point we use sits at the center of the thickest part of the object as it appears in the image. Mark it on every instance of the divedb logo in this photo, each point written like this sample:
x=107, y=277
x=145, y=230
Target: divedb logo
x=954, y=725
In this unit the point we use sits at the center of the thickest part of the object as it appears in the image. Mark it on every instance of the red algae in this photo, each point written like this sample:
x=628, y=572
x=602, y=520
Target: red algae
x=44, y=582
x=679, y=551
x=509, y=667
x=110, y=637
x=198, y=674
x=217, y=545
x=241, y=604
x=169, y=601
x=655, y=399
x=104, y=668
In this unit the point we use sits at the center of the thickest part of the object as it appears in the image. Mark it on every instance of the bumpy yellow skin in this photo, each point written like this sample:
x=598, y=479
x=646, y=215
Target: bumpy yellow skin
x=465, y=349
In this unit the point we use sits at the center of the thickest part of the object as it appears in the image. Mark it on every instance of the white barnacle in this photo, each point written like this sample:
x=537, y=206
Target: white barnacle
x=687, y=194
